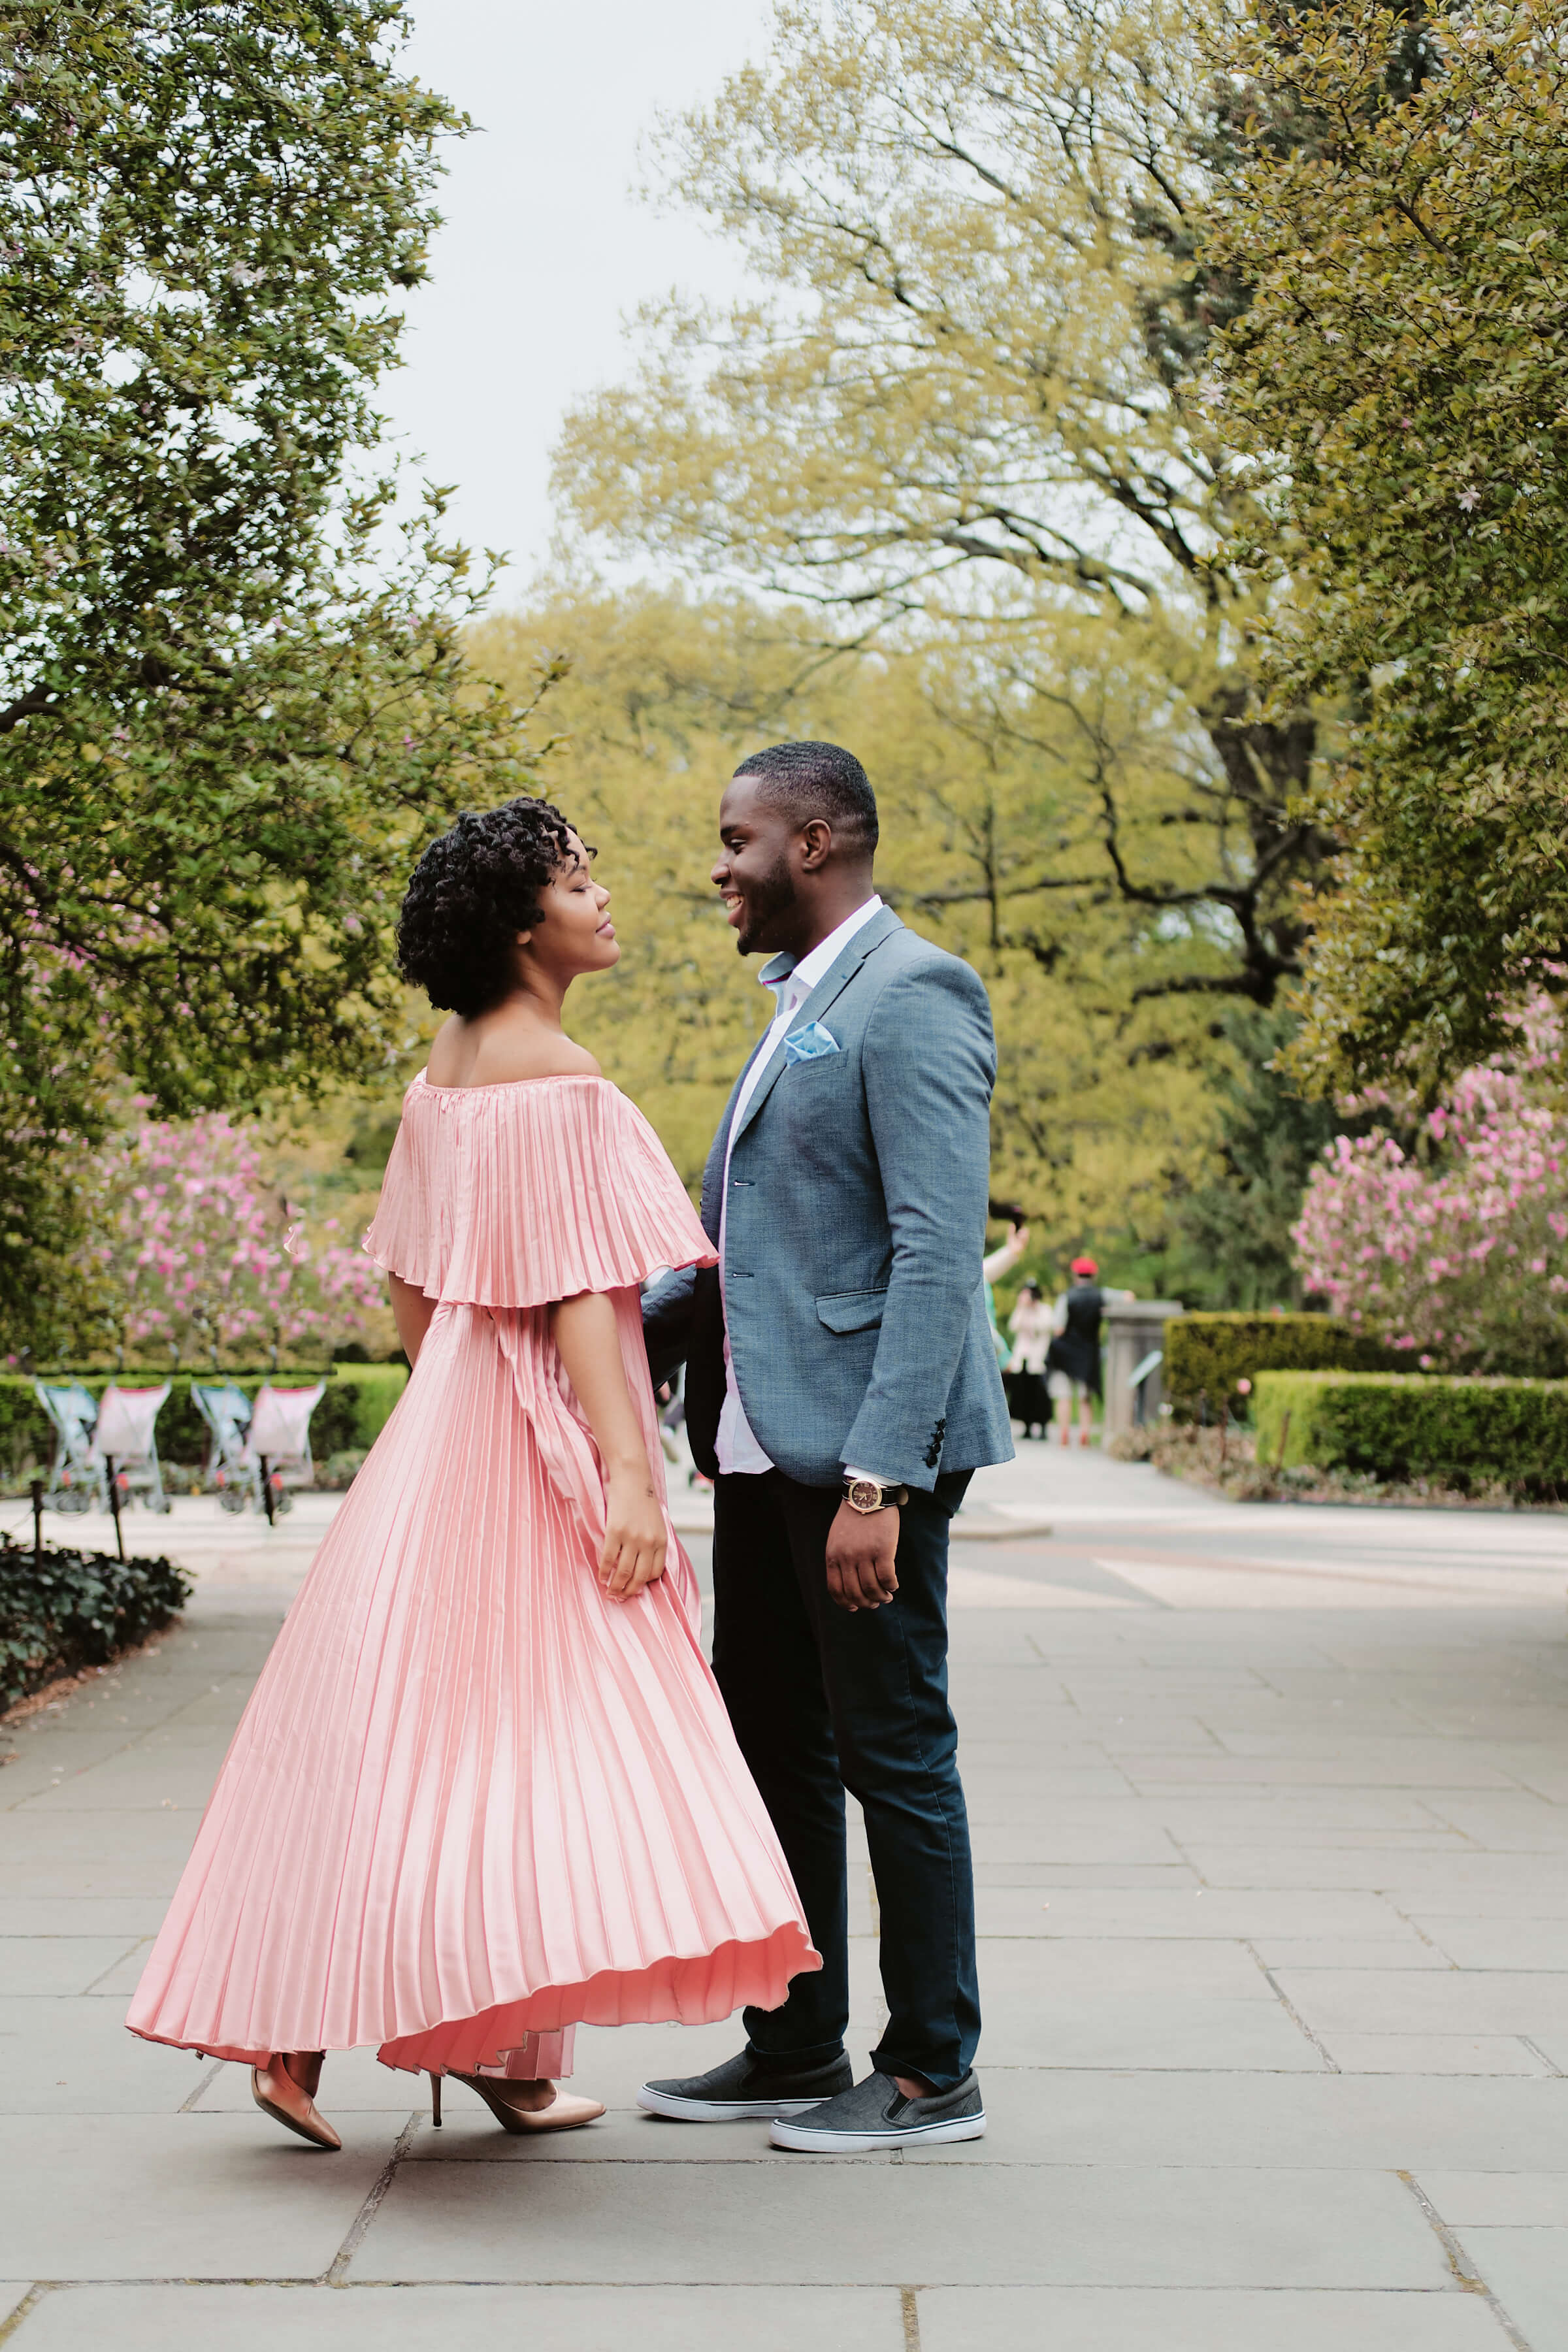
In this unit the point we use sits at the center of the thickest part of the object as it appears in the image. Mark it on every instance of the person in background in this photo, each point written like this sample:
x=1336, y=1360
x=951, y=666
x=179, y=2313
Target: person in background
x=1031, y=1324
x=999, y=1263
x=1073, y=1359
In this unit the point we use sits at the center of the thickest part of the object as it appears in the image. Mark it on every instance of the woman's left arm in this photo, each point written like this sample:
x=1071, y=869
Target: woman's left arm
x=589, y=1339
x=411, y=1311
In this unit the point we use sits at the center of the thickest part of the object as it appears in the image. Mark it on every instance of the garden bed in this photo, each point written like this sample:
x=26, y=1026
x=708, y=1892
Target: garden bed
x=68, y=1610
x=1227, y=1462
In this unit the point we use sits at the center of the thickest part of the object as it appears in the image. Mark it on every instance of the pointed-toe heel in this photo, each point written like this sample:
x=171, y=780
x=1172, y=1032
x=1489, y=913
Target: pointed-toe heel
x=563, y=2113
x=276, y=2082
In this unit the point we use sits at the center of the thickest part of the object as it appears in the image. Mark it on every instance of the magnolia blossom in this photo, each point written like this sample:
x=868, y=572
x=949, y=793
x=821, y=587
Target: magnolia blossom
x=198, y=1255
x=1457, y=1251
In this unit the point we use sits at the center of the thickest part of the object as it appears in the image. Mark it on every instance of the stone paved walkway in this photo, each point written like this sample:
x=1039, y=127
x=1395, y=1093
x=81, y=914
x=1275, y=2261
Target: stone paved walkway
x=1271, y=1819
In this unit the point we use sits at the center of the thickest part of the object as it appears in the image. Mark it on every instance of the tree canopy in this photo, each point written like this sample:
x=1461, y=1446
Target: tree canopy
x=1105, y=1106
x=232, y=700
x=973, y=394
x=1399, y=381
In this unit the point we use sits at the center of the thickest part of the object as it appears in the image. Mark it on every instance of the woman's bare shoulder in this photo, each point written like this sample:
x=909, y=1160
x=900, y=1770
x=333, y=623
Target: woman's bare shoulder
x=497, y=1053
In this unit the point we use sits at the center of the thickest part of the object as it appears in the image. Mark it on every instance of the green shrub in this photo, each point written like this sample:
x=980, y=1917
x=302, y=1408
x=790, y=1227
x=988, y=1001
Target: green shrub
x=1207, y=1355
x=75, y=1609
x=358, y=1401
x=374, y=1389
x=1411, y=1424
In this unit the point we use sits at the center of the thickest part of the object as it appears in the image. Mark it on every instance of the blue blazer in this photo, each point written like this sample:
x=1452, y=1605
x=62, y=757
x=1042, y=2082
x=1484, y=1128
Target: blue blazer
x=857, y=1224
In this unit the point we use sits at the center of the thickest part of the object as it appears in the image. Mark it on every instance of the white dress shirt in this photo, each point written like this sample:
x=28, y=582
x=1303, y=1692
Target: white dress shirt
x=737, y=1445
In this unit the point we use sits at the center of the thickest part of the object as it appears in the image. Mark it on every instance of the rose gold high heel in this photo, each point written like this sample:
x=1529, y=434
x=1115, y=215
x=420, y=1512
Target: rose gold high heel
x=563, y=2113
x=294, y=2074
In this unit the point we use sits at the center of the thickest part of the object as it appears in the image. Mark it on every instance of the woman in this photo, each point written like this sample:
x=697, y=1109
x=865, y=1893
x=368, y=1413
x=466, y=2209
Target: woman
x=485, y=1785
x=1031, y=1325
x=1074, y=1354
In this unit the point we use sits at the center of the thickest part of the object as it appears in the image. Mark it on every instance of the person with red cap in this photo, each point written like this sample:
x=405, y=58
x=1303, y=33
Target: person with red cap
x=1073, y=1356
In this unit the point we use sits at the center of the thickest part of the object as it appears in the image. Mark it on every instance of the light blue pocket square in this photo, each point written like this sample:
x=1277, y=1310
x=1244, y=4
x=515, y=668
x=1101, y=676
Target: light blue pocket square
x=810, y=1043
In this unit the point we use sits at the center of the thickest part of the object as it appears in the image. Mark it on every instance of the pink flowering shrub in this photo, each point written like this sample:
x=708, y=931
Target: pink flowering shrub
x=199, y=1256
x=1458, y=1249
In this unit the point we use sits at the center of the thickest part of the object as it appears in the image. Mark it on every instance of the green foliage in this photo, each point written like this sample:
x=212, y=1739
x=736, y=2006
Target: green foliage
x=1104, y=1104
x=233, y=704
x=1228, y=1240
x=1405, y=1424
x=972, y=390
x=75, y=1609
x=363, y=1397
x=1207, y=1356
x=1400, y=380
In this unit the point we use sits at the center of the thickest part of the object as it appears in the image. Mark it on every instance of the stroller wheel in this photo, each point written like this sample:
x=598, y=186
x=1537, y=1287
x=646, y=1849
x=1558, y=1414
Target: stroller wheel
x=162, y=1504
x=231, y=1498
x=69, y=1499
x=282, y=1501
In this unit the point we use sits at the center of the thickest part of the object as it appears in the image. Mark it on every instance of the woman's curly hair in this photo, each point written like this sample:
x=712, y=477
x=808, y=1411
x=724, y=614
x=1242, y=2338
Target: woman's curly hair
x=472, y=892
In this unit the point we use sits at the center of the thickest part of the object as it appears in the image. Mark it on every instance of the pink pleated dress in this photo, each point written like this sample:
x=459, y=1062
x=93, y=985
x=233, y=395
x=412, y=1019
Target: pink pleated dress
x=473, y=1799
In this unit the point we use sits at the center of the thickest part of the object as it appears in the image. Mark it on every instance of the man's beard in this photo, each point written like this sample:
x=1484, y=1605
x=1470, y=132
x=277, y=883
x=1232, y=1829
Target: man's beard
x=772, y=894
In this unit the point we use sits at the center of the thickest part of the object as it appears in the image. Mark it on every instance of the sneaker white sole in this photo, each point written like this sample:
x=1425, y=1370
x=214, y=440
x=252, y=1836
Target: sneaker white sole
x=720, y=2111
x=843, y=2143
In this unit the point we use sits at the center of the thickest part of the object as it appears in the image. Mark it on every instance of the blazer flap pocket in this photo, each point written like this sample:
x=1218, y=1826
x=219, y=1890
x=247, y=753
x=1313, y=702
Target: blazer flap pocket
x=851, y=1311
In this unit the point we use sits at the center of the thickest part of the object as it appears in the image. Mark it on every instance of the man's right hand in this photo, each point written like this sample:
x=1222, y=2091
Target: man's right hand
x=862, y=1547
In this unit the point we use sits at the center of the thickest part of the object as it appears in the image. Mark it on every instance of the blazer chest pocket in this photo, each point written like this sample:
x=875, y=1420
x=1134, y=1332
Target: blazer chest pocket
x=851, y=1311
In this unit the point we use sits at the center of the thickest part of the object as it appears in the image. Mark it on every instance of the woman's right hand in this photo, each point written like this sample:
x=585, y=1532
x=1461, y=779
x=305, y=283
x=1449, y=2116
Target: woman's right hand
x=633, y=1551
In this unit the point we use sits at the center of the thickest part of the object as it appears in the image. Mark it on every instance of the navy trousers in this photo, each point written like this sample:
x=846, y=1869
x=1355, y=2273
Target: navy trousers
x=823, y=1701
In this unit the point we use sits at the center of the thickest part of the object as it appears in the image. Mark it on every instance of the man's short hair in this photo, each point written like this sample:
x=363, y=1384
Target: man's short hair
x=809, y=780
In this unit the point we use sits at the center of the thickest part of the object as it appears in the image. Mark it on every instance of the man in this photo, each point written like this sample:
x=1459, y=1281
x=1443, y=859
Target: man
x=841, y=1386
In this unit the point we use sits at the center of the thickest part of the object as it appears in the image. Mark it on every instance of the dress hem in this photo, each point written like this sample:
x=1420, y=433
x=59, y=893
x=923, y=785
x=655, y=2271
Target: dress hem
x=701, y=1989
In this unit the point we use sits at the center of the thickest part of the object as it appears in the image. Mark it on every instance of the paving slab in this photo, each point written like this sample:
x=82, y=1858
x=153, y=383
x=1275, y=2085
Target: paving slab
x=1434, y=2054
x=58, y=1964
x=414, y=2318
x=182, y=2196
x=1518, y=2200
x=1454, y=2000
x=1489, y=1943
x=1134, y=2319
x=1407, y=2122
x=1527, y=2270
x=842, y=2221
x=1161, y=1914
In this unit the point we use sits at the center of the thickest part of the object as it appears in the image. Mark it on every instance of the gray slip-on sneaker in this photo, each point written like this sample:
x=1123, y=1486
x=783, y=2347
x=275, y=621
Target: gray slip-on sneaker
x=740, y=2089
x=876, y=2114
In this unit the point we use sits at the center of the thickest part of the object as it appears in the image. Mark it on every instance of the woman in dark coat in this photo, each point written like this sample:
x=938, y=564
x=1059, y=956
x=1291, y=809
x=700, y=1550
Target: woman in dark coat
x=1075, y=1350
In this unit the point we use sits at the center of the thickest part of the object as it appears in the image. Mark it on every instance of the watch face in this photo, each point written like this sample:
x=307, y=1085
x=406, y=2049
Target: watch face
x=865, y=1494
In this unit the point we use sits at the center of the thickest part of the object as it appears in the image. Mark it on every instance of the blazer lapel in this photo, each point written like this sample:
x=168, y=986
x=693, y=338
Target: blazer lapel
x=713, y=1168
x=832, y=984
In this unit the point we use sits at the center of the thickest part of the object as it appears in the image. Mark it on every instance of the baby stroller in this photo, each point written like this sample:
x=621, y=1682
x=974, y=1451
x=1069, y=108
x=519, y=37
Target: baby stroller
x=75, y=1477
x=278, y=1443
x=259, y=1452
x=91, y=1434
x=227, y=1410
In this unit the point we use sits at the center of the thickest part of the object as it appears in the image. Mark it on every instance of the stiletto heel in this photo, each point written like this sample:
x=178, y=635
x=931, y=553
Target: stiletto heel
x=270, y=2086
x=436, y=2102
x=563, y=2113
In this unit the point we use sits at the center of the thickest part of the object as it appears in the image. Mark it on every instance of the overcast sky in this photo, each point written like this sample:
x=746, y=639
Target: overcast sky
x=545, y=250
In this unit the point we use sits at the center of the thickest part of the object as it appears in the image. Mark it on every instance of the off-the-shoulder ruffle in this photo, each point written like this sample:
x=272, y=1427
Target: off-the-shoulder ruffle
x=515, y=1195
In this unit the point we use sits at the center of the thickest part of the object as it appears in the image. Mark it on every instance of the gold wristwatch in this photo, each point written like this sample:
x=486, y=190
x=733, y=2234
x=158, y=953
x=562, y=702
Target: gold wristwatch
x=868, y=1495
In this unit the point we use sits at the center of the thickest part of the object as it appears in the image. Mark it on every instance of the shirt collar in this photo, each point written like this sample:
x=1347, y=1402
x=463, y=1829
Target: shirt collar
x=803, y=976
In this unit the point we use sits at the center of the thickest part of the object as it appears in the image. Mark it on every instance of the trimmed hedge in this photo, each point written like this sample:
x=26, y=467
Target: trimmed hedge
x=1209, y=1354
x=349, y=1418
x=375, y=1390
x=1414, y=1424
x=75, y=1609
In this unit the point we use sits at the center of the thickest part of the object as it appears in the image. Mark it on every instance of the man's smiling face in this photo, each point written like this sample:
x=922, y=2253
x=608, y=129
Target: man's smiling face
x=755, y=873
